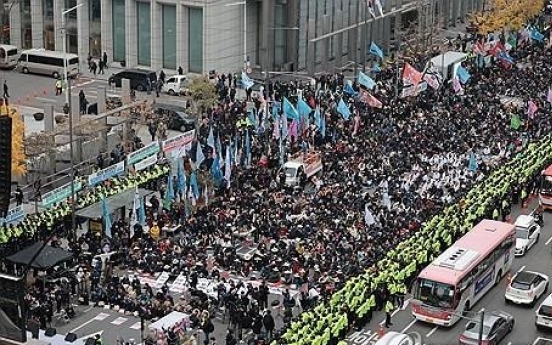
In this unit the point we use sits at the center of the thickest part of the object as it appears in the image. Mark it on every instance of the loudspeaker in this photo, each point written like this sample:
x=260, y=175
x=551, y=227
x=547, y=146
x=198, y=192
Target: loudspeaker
x=70, y=337
x=50, y=332
x=90, y=341
x=5, y=163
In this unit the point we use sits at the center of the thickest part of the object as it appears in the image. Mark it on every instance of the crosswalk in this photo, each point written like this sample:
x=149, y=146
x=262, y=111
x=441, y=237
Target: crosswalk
x=119, y=321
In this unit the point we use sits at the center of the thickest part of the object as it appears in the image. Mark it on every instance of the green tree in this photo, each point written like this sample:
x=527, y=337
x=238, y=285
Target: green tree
x=202, y=93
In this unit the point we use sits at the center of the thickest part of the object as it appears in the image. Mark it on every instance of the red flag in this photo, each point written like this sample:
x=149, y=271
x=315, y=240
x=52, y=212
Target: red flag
x=411, y=75
x=478, y=48
x=497, y=48
x=371, y=100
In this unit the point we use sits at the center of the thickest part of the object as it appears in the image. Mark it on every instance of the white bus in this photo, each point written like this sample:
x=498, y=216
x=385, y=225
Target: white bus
x=8, y=56
x=47, y=62
x=459, y=277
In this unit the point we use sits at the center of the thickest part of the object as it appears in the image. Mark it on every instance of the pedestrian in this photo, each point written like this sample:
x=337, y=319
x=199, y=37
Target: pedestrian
x=152, y=129
x=59, y=86
x=18, y=195
x=180, y=70
x=83, y=102
x=162, y=76
x=94, y=67
x=104, y=60
x=148, y=86
x=158, y=86
x=388, y=310
x=101, y=66
x=269, y=324
x=6, y=90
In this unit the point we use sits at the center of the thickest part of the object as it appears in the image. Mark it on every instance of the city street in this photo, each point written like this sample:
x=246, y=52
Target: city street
x=537, y=259
x=30, y=92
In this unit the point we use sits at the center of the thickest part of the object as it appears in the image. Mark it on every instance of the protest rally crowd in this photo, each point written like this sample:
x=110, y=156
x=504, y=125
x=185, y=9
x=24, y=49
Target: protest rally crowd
x=402, y=178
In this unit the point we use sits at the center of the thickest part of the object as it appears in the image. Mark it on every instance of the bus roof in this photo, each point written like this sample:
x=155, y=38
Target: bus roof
x=467, y=252
x=51, y=53
x=548, y=171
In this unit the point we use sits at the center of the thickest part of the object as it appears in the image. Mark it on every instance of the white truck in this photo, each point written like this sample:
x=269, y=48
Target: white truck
x=309, y=163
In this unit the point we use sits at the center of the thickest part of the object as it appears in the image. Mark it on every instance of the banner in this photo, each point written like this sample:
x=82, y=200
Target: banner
x=146, y=151
x=14, y=214
x=178, y=142
x=145, y=163
x=413, y=91
x=60, y=194
x=107, y=173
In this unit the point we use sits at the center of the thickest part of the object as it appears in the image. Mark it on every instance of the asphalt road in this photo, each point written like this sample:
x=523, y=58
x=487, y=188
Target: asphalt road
x=32, y=92
x=539, y=258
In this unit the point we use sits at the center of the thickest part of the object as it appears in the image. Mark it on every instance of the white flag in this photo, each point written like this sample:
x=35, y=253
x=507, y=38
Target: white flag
x=368, y=217
x=135, y=206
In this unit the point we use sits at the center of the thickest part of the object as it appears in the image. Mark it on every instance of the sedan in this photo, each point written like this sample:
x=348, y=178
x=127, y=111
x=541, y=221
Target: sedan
x=527, y=234
x=526, y=287
x=496, y=325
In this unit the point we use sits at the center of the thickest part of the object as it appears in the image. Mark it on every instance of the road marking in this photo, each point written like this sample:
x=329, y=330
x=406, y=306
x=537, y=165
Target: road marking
x=392, y=314
x=44, y=99
x=82, y=325
x=521, y=269
x=548, y=242
x=84, y=83
x=408, y=326
x=432, y=331
x=87, y=310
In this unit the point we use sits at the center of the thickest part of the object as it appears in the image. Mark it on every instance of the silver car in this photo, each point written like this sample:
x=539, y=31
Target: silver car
x=496, y=325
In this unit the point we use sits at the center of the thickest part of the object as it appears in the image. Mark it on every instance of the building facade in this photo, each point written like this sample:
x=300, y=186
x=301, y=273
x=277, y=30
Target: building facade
x=205, y=35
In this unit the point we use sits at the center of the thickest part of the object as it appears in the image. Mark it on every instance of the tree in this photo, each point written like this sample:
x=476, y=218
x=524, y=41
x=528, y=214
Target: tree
x=203, y=93
x=506, y=15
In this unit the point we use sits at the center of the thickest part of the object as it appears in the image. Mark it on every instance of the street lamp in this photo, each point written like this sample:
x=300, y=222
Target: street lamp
x=244, y=4
x=68, y=103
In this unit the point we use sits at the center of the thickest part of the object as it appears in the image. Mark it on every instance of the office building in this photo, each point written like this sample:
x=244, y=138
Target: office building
x=205, y=35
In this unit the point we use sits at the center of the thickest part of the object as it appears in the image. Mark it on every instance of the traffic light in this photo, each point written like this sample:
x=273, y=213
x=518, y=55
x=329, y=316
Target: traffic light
x=5, y=163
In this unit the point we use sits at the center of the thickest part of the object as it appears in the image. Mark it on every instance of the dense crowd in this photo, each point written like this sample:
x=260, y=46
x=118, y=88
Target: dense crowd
x=385, y=172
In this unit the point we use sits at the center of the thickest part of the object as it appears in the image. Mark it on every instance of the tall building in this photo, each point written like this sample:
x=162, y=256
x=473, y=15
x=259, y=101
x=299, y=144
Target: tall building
x=205, y=35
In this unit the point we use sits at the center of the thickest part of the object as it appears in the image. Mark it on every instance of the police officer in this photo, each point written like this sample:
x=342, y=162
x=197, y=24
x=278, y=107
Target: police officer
x=388, y=310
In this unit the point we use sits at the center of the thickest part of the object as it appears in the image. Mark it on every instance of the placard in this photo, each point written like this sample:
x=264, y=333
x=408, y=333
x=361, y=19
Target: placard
x=149, y=150
x=107, y=173
x=179, y=141
x=60, y=194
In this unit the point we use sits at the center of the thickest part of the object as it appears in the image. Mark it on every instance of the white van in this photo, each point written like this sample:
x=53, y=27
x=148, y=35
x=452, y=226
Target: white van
x=8, y=56
x=47, y=62
x=543, y=315
x=176, y=85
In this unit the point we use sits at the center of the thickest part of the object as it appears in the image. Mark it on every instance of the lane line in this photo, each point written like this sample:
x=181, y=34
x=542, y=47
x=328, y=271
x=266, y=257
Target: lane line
x=82, y=325
x=87, y=310
x=521, y=269
x=548, y=242
x=408, y=326
x=432, y=331
x=44, y=99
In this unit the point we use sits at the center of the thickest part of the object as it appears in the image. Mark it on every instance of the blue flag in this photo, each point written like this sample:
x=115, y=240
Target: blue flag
x=472, y=165
x=376, y=69
x=200, y=157
x=536, y=35
x=317, y=119
x=216, y=172
x=246, y=81
x=503, y=55
x=193, y=185
x=169, y=193
x=463, y=74
x=276, y=108
x=348, y=89
x=211, y=138
x=303, y=108
x=141, y=213
x=323, y=126
x=247, y=149
x=343, y=109
x=106, y=217
x=365, y=80
x=180, y=178
x=290, y=110
x=375, y=50
x=219, y=147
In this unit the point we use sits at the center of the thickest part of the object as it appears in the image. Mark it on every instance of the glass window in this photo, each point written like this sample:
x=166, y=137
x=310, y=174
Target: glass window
x=118, y=15
x=143, y=22
x=95, y=19
x=280, y=21
x=49, y=33
x=169, y=36
x=72, y=31
x=195, y=40
x=26, y=26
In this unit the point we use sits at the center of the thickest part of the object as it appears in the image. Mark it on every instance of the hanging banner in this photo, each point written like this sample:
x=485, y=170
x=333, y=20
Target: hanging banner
x=14, y=214
x=143, y=153
x=60, y=194
x=179, y=143
x=107, y=173
x=411, y=91
x=145, y=163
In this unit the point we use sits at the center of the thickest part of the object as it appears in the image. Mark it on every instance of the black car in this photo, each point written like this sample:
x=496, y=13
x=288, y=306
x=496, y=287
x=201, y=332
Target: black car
x=138, y=78
x=176, y=117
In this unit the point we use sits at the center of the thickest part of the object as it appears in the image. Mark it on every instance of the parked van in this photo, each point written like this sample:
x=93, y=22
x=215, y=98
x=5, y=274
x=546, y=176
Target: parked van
x=47, y=62
x=138, y=78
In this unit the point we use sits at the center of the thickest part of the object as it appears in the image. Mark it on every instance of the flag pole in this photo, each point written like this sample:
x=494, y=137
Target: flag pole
x=365, y=34
x=398, y=65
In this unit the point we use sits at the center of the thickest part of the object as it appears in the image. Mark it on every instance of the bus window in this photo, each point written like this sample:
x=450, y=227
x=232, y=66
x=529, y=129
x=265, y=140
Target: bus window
x=23, y=58
x=2, y=53
x=546, y=185
x=12, y=52
x=436, y=294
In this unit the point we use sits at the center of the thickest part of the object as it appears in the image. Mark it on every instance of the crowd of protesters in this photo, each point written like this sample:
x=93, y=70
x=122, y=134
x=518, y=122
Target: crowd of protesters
x=403, y=162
